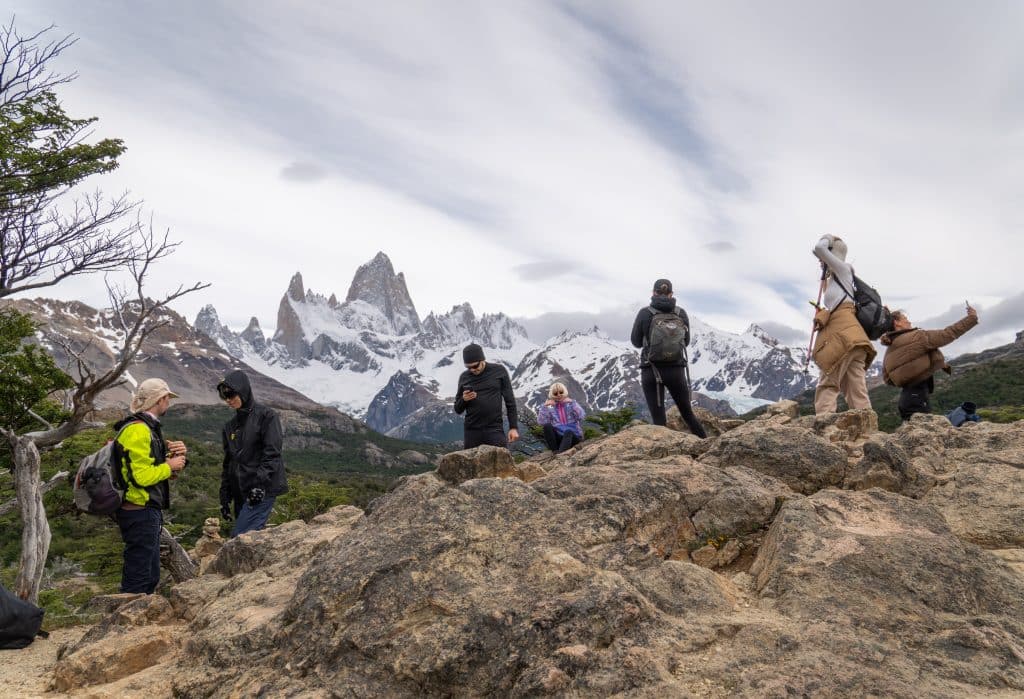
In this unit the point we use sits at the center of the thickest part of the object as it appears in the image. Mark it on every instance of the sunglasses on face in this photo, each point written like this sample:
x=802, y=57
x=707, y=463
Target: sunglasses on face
x=474, y=366
x=226, y=392
x=558, y=393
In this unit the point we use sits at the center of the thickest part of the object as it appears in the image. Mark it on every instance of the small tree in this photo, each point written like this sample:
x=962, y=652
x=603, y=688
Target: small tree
x=611, y=421
x=43, y=155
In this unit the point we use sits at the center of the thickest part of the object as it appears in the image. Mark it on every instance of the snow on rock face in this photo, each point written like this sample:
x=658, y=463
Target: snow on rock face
x=404, y=394
x=598, y=372
x=377, y=285
x=753, y=364
x=460, y=326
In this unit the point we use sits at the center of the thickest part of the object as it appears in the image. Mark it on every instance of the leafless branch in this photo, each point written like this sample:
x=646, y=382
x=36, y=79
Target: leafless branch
x=41, y=419
x=57, y=479
x=23, y=63
x=136, y=316
x=43, y=247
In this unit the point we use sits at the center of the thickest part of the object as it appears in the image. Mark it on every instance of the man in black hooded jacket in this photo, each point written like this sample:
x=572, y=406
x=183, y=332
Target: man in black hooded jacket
x=655, y=377
x=253, y=474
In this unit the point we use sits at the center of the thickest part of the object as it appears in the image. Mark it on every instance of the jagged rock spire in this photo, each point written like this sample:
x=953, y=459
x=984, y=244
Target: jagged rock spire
x=295, y=288
x=377, y=284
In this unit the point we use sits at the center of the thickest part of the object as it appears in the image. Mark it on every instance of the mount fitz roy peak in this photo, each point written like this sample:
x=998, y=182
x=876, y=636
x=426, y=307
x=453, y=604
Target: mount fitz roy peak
x=372, y=356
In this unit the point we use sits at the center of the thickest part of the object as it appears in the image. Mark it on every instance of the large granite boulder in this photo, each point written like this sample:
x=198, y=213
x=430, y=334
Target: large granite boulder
x=801, y=459
x=648, y=564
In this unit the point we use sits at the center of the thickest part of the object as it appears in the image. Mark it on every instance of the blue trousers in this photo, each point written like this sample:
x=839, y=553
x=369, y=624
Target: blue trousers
x=140, y=530
x=252, y=517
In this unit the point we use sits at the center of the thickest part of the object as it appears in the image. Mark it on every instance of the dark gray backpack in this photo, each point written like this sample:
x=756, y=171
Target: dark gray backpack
x=666, y=339
x=872, y=314
x=98, y=486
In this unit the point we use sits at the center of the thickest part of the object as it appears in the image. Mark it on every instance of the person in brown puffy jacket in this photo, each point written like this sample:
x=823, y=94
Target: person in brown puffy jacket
x=913, y=356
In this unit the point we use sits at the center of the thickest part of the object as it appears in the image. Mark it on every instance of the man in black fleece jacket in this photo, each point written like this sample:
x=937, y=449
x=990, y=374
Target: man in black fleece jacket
x=482, y=388
x=253, y=473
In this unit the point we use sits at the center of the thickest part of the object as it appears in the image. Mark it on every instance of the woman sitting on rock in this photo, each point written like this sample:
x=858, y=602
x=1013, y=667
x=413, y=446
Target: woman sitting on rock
x=562, y=418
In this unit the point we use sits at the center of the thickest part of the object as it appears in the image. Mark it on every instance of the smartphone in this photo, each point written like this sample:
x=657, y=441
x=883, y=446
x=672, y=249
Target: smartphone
x=967, y=305
x=467, y=388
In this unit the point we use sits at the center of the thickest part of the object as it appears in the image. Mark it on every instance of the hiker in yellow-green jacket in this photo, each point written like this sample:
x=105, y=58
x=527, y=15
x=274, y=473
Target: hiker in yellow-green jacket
x=147, y=462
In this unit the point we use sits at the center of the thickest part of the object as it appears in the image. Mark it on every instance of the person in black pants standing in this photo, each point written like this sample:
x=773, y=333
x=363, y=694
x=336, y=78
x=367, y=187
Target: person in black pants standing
x=482, y=389
x=253, y=473
x=669, y=373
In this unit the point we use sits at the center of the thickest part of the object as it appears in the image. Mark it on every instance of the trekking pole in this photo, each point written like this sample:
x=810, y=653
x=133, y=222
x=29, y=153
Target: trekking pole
x=686, y=371
x=814, y=330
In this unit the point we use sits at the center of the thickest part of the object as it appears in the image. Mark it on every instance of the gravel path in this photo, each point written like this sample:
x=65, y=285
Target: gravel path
x=26, y=673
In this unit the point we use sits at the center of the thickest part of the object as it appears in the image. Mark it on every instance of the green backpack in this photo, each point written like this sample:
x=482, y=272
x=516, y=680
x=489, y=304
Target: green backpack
x=666, y=339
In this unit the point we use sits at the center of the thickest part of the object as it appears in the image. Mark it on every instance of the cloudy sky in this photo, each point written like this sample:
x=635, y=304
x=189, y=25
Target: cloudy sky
x=551, y=159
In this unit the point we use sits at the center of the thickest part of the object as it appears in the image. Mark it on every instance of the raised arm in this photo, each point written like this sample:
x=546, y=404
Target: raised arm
x=822, y=252
x=940, y=338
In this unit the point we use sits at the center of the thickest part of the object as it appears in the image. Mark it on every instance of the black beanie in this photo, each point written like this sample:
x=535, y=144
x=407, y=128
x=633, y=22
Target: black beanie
x=471, y=354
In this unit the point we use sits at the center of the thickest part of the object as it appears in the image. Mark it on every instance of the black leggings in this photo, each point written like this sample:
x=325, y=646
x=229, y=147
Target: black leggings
x=914, y=398
x=674, y=379
x=559, y=443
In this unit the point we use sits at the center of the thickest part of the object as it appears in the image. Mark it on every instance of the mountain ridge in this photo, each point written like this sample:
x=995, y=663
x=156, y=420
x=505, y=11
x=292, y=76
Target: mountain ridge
x=364, y=352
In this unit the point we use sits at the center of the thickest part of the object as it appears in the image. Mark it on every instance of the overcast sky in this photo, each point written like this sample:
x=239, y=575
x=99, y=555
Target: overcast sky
x=556, y=157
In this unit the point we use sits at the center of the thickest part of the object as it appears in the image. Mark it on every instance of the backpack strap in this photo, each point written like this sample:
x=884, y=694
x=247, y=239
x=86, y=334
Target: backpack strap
x=131, y=475
x=647, y=335
x=842, y=286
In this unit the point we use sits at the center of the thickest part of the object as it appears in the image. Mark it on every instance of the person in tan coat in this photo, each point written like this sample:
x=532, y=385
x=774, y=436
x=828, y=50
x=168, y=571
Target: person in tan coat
x=842, y=350
x=912, y=356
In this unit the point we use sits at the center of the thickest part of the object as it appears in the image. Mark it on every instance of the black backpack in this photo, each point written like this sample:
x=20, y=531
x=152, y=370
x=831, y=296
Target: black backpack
x=19, y=620
x=98, y=486
x=666, y=338
x=874, y=317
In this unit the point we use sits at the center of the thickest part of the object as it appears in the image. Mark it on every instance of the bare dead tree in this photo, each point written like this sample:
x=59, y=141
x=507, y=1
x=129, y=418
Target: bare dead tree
x=23, y=63
x=135, y=318
x=175, y=558
x=55, y=480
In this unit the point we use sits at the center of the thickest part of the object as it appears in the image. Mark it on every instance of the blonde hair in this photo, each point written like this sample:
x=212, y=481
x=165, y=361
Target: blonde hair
x=557, y=387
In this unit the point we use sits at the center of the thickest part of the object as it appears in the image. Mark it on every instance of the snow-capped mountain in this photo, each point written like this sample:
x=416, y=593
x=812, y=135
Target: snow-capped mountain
x=747, y=369
x=600, y=373
x=177, y=352
x=373, y=357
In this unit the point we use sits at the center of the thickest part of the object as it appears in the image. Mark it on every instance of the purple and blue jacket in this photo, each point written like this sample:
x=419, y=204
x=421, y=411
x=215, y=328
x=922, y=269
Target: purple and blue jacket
x=563, y=416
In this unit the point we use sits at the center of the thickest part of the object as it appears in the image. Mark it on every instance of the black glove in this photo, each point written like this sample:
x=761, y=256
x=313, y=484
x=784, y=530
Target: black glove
x=225, y=511
x=256, y=496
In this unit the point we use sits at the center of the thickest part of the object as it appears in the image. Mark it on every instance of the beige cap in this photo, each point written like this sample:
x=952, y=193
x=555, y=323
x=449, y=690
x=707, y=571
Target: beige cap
x=149, y=393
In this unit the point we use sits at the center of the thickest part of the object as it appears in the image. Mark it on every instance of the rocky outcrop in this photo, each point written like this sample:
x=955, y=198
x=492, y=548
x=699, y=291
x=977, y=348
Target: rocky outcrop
x=889, y=598
x=714, y=424
x=797, y=456
x=376, y=284
x=290, y=334
x=254, y=336
x=647, y=563
x=404, y=394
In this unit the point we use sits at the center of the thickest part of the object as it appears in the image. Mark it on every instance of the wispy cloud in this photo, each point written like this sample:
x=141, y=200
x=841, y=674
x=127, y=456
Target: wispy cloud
x=708, y=143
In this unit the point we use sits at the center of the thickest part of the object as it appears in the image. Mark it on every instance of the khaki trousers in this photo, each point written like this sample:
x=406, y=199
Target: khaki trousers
x=847, y=377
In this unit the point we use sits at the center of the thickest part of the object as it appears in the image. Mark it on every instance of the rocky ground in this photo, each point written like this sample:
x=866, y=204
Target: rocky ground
x=784, y=557
x=28, y=672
